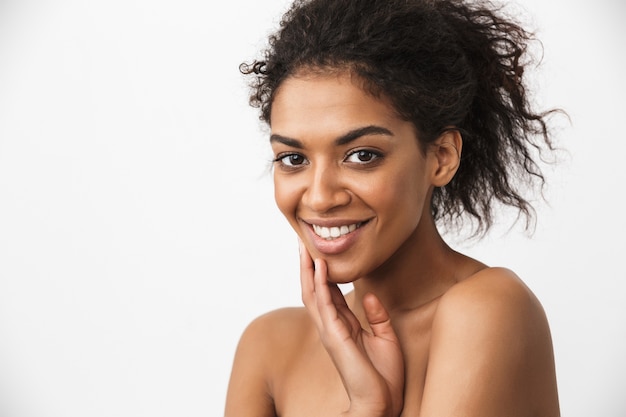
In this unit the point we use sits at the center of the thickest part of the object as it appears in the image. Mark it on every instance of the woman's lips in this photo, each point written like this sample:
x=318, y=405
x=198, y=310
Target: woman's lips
x=335, y=239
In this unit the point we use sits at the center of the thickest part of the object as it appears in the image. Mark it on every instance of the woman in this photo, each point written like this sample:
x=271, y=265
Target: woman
x=391, y=119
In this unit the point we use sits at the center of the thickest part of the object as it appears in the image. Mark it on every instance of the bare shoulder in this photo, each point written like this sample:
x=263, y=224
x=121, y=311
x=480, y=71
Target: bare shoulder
x=495, y=306
x=491, y=290
x=490, y=333
x=280, y=326
x=264, y=349
x=273, y=335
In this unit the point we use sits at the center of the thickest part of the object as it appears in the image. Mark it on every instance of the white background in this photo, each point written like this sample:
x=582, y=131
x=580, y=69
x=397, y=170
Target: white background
x=138, y=232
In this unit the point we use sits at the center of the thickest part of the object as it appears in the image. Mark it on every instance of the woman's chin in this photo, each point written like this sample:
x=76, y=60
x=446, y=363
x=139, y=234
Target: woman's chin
x=342, y=275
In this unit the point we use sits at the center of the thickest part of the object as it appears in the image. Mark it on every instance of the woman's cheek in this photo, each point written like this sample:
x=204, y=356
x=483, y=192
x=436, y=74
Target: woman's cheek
x=286, y=199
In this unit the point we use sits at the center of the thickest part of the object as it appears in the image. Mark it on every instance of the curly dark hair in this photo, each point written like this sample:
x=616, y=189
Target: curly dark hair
x=444, y=64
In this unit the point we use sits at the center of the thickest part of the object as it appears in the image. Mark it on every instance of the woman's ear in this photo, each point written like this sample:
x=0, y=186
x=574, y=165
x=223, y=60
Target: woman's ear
x=446, y=151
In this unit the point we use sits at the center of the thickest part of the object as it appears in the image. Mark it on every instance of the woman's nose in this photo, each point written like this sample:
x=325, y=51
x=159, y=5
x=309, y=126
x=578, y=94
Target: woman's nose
x=325, y=190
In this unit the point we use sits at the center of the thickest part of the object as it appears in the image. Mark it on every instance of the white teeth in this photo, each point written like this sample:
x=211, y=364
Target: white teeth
x=330, y=233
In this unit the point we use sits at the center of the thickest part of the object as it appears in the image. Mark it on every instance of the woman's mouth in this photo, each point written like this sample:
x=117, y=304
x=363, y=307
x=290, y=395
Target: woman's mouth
x=331, y=233
x=335, y=237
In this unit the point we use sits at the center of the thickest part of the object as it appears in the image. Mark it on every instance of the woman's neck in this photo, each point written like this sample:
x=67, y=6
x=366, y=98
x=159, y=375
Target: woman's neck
x=421, y=270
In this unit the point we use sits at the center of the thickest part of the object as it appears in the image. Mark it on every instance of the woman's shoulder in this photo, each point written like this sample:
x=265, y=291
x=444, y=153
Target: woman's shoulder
x=270, y=340
x=279, y=322
x=490, y=332
x=275, y=333
x=492, y=299
x=495, y=316
x=264, y=351
x=490, y=290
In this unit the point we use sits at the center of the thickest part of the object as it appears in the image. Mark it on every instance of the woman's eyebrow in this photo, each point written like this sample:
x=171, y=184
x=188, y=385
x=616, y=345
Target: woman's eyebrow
x=362, y=131
x=342, y=140
x=294, y=143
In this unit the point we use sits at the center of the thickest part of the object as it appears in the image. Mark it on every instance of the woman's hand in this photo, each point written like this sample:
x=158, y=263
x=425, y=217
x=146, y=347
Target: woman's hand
x=370, y=364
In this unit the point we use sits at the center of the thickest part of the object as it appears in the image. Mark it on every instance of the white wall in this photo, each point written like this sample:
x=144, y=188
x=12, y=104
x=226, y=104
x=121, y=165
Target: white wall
x=138, y=234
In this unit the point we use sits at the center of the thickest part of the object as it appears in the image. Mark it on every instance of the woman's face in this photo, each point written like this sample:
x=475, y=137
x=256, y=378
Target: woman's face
x=349, y=175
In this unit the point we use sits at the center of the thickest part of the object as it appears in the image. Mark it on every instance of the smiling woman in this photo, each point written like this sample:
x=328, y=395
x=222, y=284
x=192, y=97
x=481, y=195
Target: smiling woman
x=358, y=166
x=390, y=120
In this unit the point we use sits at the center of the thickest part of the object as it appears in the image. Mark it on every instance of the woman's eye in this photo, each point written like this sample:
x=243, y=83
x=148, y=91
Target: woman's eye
x=291, y=160
x=362, y=156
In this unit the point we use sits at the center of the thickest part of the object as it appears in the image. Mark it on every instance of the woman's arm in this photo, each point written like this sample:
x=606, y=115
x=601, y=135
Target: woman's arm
x=491, y=352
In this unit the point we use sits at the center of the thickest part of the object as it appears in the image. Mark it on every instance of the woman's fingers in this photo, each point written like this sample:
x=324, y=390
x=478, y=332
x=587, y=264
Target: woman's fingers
x=378, y=318
x=383, y=348
x=317, y=294
x=339, y=329
x=324, y=302
x=306, y=271
x=370, y=364
x=307, y=276
x=331, y=304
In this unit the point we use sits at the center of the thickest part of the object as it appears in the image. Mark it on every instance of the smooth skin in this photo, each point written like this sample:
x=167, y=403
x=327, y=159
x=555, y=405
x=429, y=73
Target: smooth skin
x=427, y=331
